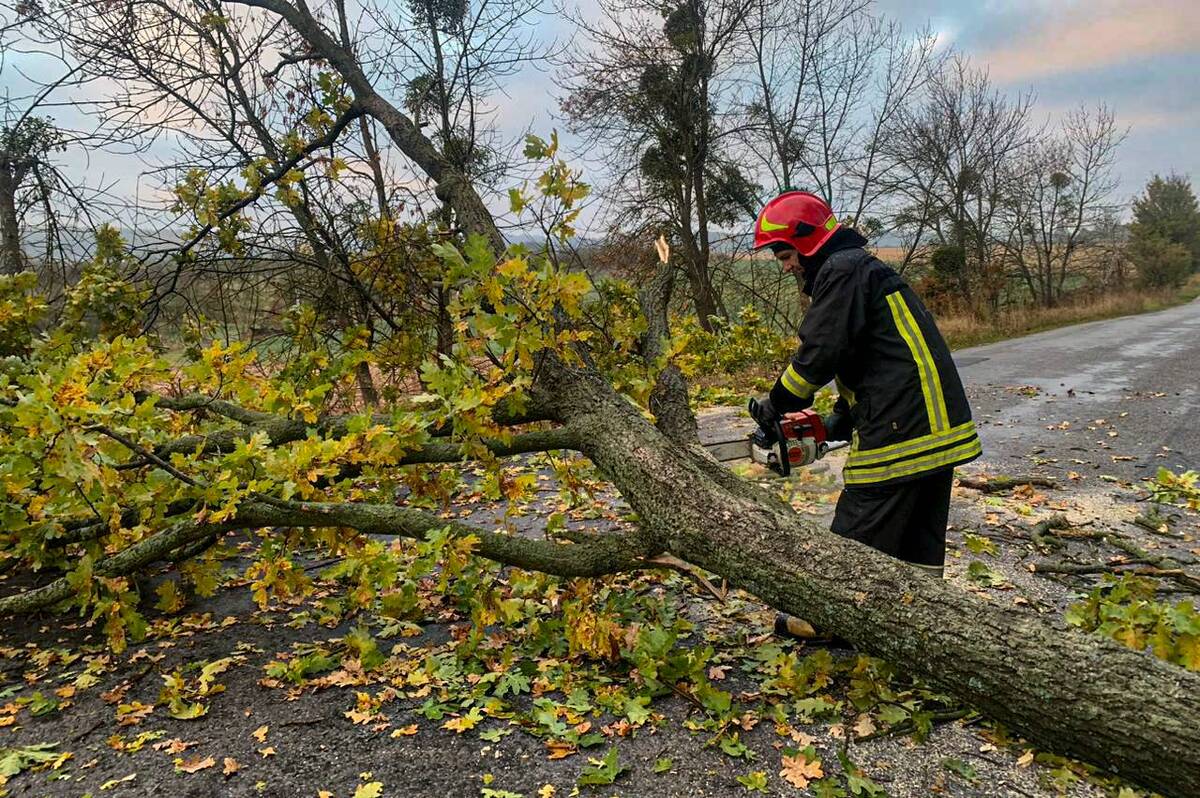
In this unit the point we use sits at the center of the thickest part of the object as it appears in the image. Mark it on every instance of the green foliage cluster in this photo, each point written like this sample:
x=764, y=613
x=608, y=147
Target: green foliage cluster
x=1125, y=608
x=90, y=461
x=80, y=421
x=733, y=346
x=1182, y=489
x=1165, y=234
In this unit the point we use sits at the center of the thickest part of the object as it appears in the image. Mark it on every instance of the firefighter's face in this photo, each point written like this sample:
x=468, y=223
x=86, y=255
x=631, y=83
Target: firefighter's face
x=789, y=260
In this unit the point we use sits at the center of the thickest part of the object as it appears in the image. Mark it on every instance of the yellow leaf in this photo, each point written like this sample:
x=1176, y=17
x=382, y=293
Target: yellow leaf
x=461, y=724
x=231, y=766
x=560, y=749
x=372, y=789
x=514, y=267
x=268, y=751
x=260, y=733
x=798, y=769
x=360, y=717
x=546, y=791
x=176, y=746
x=195, y=764
x=405, y=731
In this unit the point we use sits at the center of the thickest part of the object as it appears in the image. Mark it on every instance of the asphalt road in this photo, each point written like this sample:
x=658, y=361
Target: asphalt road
x=1119, y=397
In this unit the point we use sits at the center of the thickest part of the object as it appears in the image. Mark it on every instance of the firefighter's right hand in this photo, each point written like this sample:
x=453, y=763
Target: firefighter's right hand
x=838, y=426
x=764, y=413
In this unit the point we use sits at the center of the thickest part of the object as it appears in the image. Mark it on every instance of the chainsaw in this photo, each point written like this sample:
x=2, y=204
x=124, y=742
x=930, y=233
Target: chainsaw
x=797, y=440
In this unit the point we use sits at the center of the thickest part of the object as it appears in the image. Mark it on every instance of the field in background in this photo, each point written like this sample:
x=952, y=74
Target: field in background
x=716, y=386
x=965, y=330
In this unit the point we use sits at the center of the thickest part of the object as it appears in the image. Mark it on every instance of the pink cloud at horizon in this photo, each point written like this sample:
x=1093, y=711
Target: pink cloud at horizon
x=1077, y=37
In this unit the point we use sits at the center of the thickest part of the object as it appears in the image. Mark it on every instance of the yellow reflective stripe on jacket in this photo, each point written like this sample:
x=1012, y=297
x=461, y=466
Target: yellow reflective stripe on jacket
x=911, y=447
x=796, y=384
x=919, y=465
x=931, y=382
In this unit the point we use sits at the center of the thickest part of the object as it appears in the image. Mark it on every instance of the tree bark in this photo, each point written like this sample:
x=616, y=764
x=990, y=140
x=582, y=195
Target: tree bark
x=12, y=259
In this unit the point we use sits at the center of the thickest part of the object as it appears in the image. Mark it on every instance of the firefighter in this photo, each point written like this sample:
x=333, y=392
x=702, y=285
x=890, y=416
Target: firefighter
x=900, y=401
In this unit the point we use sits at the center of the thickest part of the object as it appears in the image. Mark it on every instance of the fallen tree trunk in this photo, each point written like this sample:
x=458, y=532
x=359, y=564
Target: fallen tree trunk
x=1076, y=694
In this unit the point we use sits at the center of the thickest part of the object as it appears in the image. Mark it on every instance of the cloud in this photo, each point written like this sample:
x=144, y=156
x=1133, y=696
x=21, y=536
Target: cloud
x=1079, y=37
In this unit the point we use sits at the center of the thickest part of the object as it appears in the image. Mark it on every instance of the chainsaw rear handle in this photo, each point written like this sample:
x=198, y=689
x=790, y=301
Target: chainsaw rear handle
x=769, y=438
x=771, y=430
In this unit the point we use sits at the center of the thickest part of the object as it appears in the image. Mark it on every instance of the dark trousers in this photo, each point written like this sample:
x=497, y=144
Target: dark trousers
x=907, y=521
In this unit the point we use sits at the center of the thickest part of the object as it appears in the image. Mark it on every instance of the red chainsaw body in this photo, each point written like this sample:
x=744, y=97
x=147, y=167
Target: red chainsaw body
x=799, y=441
x=803, y=435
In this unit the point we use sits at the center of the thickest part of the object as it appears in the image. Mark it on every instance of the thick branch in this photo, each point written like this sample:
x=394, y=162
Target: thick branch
x=598, y=556
x=601, y=555
x=153, y=549
x=281, y=430
x=452, y=185
x=669, y=399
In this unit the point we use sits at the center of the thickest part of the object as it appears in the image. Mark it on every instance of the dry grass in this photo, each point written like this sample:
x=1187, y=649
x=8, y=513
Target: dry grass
x=965, y=330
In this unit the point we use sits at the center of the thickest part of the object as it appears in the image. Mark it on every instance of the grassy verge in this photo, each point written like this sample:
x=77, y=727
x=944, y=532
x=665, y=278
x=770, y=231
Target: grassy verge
x=963, y=331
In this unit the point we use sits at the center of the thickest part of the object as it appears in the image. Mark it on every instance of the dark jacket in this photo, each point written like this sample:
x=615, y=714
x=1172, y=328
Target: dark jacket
x=867, y=330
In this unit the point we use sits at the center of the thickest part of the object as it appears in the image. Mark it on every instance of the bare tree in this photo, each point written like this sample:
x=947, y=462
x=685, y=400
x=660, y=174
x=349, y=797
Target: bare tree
x=826, y=89
x=653, y=93
x=1066, y=191
x=954, y=164
x=46, y=214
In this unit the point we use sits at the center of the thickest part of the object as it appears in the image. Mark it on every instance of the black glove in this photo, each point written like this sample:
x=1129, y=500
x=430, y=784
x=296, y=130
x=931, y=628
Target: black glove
x=838, y=426
x=764, y=413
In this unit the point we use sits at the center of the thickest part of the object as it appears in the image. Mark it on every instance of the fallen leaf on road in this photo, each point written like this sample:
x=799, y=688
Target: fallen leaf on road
x=108, y=785
x=405, y=731
x=560, y=749
x=372, y=789
x=798, y=770
x=230, y=766
x=260, y=733
x=195, y=764
x=268, y=751
x=865, y=727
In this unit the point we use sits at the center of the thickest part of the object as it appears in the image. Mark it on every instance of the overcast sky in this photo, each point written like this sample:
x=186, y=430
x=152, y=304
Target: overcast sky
x=1141, y=57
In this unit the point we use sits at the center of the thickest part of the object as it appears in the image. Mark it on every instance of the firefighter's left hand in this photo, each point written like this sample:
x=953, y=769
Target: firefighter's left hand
x=764, y=413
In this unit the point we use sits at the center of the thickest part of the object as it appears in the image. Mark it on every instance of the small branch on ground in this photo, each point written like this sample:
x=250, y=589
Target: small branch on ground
x=908, y=727
x=997, y=484
x=1041, y=531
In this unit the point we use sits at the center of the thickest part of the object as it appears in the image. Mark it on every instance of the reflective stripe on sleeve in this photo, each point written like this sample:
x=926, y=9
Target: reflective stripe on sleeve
x=797, y=385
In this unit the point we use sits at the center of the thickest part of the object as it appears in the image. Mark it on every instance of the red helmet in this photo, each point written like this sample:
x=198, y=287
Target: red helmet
x=797, y=218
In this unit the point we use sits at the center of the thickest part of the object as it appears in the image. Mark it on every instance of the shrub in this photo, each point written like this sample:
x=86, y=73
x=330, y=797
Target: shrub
x=1160, y=263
